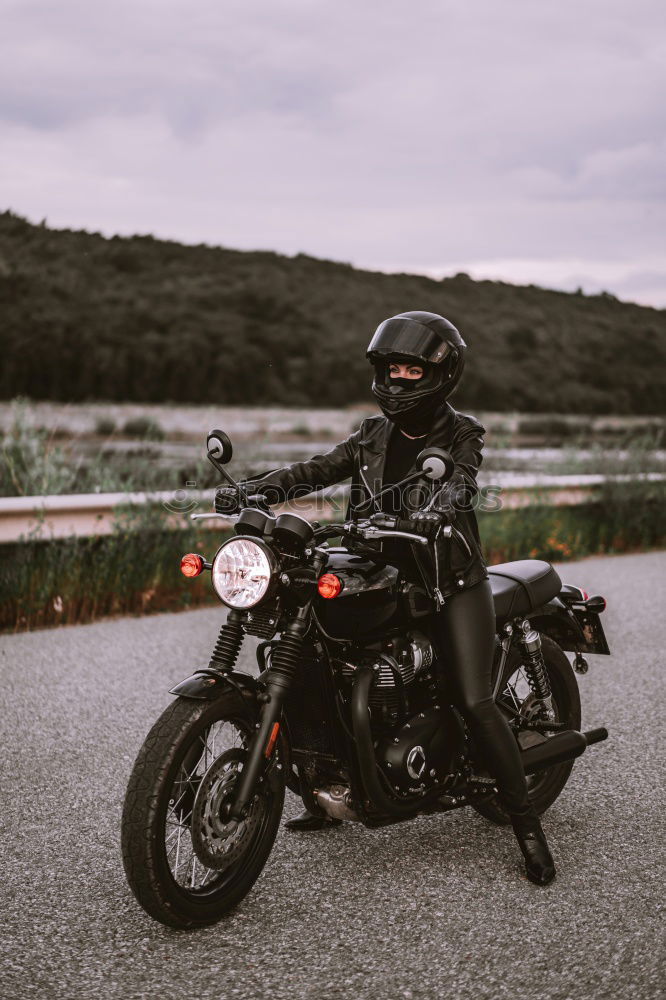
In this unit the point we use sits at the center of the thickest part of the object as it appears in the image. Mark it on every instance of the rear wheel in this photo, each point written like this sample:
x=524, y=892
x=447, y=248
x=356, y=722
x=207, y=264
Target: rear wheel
x=516, y=700
x=185, y=864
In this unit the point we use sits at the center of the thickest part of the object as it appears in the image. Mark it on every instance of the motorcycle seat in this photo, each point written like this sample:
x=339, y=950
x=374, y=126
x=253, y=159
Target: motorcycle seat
x=521, y=586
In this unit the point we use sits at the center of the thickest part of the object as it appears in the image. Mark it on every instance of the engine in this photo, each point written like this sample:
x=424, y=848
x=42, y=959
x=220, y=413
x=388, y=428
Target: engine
x=404, y=679
x=416, y=734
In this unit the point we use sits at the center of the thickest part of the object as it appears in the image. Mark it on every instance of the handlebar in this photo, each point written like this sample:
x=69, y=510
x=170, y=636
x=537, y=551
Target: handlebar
x=376, y=527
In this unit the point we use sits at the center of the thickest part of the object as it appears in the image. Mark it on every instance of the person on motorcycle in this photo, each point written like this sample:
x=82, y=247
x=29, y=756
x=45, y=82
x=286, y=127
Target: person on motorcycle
x=418, y=360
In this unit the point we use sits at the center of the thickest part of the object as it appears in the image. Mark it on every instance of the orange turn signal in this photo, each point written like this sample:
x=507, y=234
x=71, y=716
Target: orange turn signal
x=329, y=585
x=191, y=564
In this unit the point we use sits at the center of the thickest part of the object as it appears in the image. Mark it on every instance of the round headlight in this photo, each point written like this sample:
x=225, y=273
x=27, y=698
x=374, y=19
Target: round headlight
x=241, y=573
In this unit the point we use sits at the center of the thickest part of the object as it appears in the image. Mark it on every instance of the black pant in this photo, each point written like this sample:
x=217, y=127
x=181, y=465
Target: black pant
x=465, y=628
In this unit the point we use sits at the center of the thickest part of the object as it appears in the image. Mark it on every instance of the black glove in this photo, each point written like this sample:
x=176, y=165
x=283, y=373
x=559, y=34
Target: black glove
x=425, y=523
x=444, y=504
x=226, y=500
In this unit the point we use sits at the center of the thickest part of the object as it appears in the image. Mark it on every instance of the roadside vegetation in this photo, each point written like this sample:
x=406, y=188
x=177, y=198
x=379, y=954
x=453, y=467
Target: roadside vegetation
x=136, y=569
x=79, y=451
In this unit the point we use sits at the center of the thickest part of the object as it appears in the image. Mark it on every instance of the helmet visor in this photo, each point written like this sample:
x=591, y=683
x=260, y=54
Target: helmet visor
x=407, y=337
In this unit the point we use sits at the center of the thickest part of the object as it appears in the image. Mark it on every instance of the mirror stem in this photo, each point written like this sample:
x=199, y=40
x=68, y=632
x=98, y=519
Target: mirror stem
x=393, y=486
x=232, y=482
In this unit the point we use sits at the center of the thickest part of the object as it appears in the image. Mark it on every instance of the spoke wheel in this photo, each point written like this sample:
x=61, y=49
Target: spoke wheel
x=517, y=702
x=186, y=865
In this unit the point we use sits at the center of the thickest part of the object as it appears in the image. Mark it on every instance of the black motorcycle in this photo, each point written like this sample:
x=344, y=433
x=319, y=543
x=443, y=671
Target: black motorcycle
x=348, y=708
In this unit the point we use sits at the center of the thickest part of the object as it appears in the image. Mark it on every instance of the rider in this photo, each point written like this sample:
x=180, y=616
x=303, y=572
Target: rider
x=418, y=359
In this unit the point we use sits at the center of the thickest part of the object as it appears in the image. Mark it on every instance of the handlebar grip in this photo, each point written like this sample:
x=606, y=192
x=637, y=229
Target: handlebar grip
x=260, y=501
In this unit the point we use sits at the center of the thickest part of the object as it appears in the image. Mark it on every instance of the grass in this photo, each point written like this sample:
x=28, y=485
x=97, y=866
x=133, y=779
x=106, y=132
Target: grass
x=33, y=462
x=136, y=570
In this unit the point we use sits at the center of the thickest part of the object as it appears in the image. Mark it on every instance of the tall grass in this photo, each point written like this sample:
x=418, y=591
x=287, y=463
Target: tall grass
x=35, y=462
x=134, y=570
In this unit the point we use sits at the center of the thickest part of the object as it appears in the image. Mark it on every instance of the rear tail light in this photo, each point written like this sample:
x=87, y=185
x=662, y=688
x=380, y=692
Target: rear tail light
x=192, y=564
x=329, y=585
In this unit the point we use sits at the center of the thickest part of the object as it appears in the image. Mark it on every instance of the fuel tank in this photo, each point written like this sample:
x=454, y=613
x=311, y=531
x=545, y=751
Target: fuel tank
x=367, y=602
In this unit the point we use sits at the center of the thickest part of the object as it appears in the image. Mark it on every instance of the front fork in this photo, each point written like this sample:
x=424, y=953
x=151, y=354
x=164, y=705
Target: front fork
x=284, y=660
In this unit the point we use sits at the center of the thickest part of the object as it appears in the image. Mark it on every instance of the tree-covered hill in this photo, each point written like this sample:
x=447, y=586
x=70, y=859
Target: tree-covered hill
x=139, y=319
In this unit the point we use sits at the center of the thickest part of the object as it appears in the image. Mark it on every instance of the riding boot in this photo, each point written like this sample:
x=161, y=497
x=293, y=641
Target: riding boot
x=306, y=821
x=539, y=863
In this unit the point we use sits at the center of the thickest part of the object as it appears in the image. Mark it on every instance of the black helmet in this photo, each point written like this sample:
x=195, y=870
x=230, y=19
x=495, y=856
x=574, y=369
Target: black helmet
x=429, y=340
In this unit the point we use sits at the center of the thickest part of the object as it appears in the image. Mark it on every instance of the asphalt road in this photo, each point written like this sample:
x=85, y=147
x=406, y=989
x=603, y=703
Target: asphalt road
x=436, y=907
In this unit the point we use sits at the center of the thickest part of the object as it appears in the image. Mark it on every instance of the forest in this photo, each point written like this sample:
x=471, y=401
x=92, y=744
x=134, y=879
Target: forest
x=85, y=317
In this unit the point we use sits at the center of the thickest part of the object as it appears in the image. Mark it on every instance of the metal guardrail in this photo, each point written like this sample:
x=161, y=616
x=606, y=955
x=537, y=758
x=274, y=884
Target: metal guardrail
x=95, y=513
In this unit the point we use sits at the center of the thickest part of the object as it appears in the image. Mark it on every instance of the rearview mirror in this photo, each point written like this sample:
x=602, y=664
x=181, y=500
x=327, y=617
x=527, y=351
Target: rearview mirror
x=219, y=447
x=435, y=463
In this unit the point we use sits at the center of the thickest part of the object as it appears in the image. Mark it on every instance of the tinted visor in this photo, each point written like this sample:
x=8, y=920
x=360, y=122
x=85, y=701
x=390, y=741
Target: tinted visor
x=406, y=336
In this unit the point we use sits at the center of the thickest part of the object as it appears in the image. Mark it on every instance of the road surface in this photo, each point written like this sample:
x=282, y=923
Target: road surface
x=434, y=908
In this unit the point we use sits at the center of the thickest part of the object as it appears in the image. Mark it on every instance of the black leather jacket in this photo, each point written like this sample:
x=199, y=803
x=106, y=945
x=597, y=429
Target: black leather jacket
x=362, y=457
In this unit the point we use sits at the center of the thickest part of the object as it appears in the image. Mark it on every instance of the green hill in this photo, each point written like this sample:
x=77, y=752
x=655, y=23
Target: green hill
x=141, y=319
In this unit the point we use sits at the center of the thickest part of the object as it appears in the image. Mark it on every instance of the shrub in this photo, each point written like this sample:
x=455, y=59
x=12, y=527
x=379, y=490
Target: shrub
x=105, y=426
x=143, y=427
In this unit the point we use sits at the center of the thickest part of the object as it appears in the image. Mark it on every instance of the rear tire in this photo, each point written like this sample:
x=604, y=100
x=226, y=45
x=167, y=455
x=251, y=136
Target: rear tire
x=163, y=867
x=544, y=786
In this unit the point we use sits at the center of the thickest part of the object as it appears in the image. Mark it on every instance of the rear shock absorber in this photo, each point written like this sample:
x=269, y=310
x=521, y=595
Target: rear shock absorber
x=535, y=667
x=228, y=644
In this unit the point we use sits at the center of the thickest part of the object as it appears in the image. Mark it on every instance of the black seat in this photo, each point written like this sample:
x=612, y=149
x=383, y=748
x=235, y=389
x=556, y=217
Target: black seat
x=520, y=587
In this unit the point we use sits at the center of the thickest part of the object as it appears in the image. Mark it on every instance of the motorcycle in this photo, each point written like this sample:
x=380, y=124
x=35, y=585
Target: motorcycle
x=348, y=709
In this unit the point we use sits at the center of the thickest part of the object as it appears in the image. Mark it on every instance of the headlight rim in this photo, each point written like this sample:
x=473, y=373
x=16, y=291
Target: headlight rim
x=272, y=563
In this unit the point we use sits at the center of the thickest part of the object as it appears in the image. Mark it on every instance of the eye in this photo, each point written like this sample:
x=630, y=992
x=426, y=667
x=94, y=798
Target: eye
x=416, y=372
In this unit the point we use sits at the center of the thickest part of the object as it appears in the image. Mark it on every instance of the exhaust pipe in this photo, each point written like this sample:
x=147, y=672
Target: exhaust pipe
x=564, y=746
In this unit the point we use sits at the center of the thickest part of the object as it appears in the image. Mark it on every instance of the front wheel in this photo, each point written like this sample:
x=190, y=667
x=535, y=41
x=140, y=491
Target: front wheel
x=515, y=700
x=187, y=866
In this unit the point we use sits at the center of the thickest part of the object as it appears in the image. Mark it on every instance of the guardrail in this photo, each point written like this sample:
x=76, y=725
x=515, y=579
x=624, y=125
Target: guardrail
x=95, y=513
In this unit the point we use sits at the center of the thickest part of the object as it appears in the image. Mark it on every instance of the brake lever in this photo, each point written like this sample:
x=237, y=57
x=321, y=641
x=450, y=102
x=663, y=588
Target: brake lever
x=372, y=532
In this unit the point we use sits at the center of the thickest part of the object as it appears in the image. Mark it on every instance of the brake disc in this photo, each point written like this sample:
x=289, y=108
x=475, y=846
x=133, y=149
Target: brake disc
x=218, y=842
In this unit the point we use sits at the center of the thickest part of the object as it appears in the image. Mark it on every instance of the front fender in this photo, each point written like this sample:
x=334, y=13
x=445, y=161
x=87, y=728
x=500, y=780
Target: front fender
x=207, y=685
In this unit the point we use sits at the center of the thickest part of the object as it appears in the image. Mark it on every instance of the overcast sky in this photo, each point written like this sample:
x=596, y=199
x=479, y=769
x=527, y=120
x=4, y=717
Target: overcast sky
x=514, y=139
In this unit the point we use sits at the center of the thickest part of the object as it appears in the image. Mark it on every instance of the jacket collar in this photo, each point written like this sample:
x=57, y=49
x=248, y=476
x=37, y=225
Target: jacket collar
x=374, y=443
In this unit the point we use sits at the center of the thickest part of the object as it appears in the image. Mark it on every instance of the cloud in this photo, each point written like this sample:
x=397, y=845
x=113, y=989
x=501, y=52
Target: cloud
x=393, y=136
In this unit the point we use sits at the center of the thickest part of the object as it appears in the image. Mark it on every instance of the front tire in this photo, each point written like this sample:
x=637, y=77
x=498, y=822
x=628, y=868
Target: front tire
x=169, y=839
x=544, y=786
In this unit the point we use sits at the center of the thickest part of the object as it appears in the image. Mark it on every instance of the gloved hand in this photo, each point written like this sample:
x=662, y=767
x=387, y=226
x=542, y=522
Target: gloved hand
x=445, y=504
x=226, y=500
x=425, y=523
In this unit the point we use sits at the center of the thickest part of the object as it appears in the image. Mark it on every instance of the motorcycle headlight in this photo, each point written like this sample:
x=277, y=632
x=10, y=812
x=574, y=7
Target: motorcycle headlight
x=241, y=573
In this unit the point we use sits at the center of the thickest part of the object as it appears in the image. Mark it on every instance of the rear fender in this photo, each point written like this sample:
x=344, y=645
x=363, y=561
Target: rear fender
x=558, y=621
